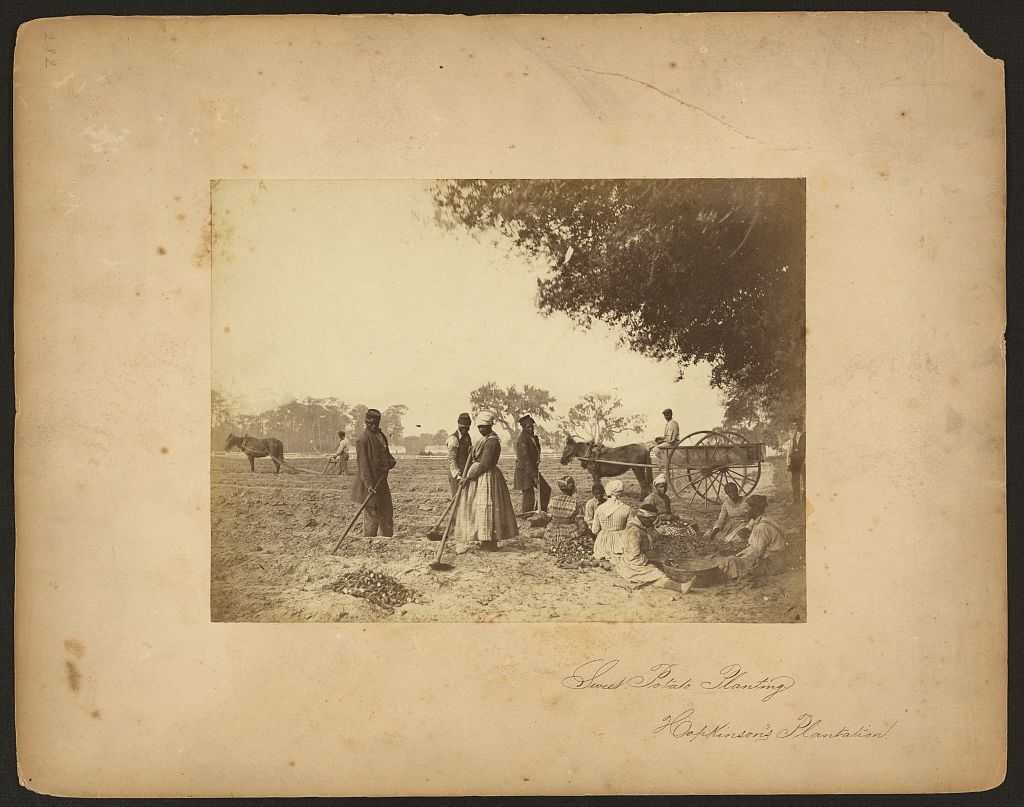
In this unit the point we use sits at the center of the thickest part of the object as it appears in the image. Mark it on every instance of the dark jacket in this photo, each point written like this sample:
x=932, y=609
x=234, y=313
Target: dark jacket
x=373, y=458
x=527, y=461
x=798, y=452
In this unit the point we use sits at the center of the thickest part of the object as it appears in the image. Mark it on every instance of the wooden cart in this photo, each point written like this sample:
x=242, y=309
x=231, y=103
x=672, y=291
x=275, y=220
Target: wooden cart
x=703, y=462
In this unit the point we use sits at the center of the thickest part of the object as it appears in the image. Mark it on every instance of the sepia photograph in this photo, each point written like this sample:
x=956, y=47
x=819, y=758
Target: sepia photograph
x=508, y=400
x=411, y=328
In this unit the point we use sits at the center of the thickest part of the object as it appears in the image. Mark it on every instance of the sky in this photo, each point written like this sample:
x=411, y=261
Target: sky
x=348, y=289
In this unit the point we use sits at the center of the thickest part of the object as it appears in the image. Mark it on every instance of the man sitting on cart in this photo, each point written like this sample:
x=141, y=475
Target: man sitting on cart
x=668, y=441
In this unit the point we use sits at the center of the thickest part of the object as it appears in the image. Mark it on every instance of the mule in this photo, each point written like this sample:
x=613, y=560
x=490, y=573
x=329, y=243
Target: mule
x=254, y=447
x=600, y=461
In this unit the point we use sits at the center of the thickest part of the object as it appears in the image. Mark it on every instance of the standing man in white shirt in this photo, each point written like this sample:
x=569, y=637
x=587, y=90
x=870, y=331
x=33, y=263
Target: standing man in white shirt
x=670, y=439
x=340, y=456
x=796, y=451
x=459, y=445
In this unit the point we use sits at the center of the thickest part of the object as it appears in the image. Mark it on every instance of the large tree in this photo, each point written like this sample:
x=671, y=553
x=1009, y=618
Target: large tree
x=223, y=418
x=597, y=417
x=309, y=424
x=508, y=404
x=358, y=415
x=691, y=270
x=391, y=422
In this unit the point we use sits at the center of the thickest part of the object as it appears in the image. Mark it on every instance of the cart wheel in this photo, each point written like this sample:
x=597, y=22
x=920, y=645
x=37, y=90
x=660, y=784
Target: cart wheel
x=709, y=483
x=751, y=473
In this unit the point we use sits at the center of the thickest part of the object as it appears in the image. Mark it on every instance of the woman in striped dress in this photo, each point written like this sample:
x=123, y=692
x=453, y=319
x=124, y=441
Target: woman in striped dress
x=610, y=516
x=484, y=513
x=564, y=511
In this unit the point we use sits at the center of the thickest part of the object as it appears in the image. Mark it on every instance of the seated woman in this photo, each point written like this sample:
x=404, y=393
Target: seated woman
x=564, y=511
x=658, y=497
x=763, y=553
x=612, y=515
x=734, y=515
x=631, y=550
x=593, y=503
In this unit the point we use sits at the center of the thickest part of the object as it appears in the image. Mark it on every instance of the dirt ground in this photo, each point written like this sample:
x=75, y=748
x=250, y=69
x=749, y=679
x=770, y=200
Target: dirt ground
x=271, y=560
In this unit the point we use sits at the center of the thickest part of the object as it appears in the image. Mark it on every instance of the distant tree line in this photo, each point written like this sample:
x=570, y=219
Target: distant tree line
x=307, y=424
x=312, y=424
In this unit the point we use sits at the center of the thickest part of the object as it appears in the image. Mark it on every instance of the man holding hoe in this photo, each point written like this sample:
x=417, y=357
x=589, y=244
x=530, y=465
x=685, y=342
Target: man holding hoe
x=374, y=462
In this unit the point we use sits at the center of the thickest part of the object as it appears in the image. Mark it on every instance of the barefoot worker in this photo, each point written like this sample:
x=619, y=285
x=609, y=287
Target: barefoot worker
x=459, y=445
x=484, y=513
x=631, y=549
x=374, y=461
x=763, y=553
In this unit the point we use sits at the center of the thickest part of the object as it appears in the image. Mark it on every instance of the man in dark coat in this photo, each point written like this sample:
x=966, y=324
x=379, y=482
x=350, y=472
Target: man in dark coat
x=527, y=472
x=374, y=460
x=795, y=455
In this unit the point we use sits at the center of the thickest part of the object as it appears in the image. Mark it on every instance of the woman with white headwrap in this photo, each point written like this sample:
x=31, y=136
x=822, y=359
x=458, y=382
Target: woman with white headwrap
x=658, y=497
x=564, y=510
x=611, y=515
x=630, y=551
x=484, y=514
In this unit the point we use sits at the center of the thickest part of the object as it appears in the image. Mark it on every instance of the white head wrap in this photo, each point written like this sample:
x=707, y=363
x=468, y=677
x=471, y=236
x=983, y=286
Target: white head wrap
x=613, y=488
x=485, y=419
x=660, y=480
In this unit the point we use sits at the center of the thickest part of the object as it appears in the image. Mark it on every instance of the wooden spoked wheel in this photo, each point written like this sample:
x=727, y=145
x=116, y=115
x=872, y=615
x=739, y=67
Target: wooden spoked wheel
x=719, y=463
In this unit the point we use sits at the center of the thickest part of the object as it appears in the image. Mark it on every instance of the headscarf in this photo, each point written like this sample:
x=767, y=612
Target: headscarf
x=647, y=514
x=485, y=419
x=567, y=485
x=660, y=480
x=614, y=488
x=757, y=504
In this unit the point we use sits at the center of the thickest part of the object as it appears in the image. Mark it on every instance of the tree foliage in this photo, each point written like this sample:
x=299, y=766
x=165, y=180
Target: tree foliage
x=761, y=416
x=596, y=417
x=391, y=422
x=309, y=424
x=691, y=270
x=508, y=404
x=417, y=444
